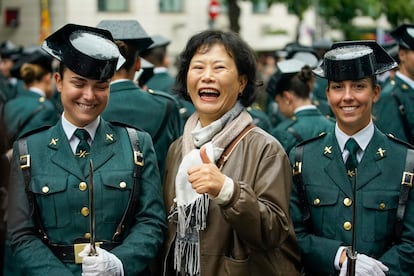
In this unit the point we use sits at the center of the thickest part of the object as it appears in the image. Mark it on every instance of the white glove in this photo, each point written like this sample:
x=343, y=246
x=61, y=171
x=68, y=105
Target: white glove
x=365, y=266
x=104, y=264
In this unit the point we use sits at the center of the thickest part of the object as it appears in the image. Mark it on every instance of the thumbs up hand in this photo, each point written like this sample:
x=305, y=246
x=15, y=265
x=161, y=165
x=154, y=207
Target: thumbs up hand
x=206, y=178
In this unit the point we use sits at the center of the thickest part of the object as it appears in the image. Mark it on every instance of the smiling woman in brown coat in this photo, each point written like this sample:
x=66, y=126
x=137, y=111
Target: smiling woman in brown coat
x=227, y=183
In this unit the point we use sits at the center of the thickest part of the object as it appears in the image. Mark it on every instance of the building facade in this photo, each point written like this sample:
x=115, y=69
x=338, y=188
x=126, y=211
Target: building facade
x=264, y=29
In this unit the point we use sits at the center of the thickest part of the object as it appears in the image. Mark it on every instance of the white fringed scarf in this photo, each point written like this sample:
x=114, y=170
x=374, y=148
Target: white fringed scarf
x=192, y=208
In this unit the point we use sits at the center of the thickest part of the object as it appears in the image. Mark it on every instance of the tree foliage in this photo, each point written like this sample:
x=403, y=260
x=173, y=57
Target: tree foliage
x=339, y=14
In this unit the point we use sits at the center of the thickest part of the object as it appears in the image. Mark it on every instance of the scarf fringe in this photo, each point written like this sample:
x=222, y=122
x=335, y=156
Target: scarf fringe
x=189, y=253
x=190, y=218
x=185, y=214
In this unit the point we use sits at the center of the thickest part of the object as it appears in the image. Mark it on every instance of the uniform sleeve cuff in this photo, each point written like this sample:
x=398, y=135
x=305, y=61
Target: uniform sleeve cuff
x=338, y=256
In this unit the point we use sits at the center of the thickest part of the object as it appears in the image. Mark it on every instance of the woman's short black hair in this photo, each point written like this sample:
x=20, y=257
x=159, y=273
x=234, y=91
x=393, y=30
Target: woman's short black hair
x=239, y=50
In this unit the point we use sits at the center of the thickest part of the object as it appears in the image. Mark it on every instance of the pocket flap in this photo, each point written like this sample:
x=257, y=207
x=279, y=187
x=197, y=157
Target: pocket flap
x=380, y=200
x=321, y=196
x=48, y=184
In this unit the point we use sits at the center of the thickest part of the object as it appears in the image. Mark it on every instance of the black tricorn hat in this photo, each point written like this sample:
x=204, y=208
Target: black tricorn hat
x=87, y=51
x=354, y=60
x=129, y=31
x=404, y=35
x=33, y=56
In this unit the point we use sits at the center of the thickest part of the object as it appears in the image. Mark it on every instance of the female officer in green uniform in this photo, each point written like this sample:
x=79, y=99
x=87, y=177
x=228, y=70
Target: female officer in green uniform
x=51, y=214
x=31, y=108
x=292, y=94
x=328, y=187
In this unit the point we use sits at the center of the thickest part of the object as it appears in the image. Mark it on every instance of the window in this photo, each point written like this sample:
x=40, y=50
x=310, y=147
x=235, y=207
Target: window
x=113, y=5
x=259, y=6
x=171, y=5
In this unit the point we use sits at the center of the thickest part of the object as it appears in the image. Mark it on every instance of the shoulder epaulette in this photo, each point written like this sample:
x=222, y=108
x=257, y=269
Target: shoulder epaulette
x=123, y=124
x=33, y=131
x=395, y=139
x=322, y=134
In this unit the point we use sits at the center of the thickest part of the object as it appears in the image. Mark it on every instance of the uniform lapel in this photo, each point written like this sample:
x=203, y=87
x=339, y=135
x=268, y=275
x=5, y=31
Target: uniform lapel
x=370, y=166
x=62, y=154
x=102, y=148
x=335, y=167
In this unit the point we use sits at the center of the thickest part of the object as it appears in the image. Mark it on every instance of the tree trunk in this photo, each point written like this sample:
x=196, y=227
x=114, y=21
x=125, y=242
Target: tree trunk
x=234, y=15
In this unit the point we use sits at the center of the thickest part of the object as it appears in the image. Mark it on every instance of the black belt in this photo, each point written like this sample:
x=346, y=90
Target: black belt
x=66, y=253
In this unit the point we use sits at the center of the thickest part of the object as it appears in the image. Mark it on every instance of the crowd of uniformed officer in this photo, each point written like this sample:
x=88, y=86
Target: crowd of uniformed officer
x=150, y=104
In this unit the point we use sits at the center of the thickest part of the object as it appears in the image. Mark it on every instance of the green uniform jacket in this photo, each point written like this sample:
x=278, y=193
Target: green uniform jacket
x=329, y=194
x=260, y=118
x=26, y=112
x=161, y=81
x=58, y=185
x=388, y=117
x=305, y=125
x=157, y=113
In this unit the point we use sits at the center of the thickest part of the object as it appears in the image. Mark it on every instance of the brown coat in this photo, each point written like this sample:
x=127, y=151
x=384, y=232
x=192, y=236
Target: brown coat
x=253, y=233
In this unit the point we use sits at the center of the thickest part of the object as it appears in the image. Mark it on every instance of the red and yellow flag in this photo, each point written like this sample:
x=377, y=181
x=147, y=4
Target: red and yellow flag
x=45, y=26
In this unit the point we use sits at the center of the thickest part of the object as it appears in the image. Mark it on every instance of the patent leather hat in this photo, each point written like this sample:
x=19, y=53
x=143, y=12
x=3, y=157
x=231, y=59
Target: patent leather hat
x=354, y=60
x=404, y=35
x=128, y=31
x=87, y=51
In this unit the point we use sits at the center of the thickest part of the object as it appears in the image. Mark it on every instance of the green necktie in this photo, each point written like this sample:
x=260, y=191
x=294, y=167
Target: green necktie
x=83, y=148
x=352, y=161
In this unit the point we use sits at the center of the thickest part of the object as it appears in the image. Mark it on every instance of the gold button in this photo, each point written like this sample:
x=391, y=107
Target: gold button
x=42, y=99
x=85, y=211
x=83, y=186
x=87, y=235
x=382, y=205
x=347, y=225
x=347, y=201
x=316, y=201
x=122, y=185
x=45, y=189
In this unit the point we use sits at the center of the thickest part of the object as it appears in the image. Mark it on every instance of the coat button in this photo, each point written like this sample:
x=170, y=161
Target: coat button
x=382, y=206
x=45, y=189
x=347, y=225
x=316, y=201
x=122, y=185
x=83, y=186
x=347, y=202
x=87, y=235
x=85, y=211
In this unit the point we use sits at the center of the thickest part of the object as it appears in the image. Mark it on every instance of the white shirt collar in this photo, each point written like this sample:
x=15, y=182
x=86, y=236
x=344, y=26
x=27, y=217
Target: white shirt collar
x=70, y=128
x=37, y=91
x=409, y=81
x=362, y=137
x=305, y=107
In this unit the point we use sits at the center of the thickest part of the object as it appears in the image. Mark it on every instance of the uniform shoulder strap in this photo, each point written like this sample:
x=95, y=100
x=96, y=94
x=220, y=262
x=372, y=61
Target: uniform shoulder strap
x=128, y=216
x=25, y=166
x=300, y=187
x=406, y=185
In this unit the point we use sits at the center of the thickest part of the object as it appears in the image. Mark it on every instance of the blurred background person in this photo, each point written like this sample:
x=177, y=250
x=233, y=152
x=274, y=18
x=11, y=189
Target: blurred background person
x=153, y=111
x=31, y=108
x=157, y=54
x=394, y=111
x=292, y=93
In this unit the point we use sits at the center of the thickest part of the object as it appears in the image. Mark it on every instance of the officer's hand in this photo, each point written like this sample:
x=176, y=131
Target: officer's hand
x=104, y=264
x=365, y=266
